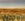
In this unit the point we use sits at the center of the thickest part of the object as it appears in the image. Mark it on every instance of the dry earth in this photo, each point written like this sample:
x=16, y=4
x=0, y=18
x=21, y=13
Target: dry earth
x=12, y=12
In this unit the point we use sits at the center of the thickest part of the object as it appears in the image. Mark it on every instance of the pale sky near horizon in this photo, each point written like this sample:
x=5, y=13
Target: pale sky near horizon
x=12, y=4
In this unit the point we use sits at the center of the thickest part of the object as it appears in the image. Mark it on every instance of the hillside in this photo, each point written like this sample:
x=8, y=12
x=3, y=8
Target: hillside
x=13, y=11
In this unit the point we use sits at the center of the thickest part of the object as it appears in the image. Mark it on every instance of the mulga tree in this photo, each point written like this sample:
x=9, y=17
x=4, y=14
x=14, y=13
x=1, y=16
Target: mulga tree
x=13, y=17
x=18, y=17
x=22, y=18
x=7, y=18
x=4, y=17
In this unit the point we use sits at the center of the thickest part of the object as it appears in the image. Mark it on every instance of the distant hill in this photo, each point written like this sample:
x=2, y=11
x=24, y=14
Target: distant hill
x=12, y=11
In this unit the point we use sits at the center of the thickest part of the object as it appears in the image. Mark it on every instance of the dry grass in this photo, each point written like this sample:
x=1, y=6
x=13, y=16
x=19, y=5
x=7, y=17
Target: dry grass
x=13, y=12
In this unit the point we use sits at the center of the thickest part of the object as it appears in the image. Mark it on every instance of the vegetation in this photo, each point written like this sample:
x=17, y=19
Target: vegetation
x=12, y=17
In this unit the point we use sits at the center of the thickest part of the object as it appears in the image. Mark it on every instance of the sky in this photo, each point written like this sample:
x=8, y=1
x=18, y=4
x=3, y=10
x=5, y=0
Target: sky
x=12, y=3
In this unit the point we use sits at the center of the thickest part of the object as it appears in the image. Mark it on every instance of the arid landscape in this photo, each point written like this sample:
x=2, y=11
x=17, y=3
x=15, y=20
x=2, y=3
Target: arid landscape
x=12, y=14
